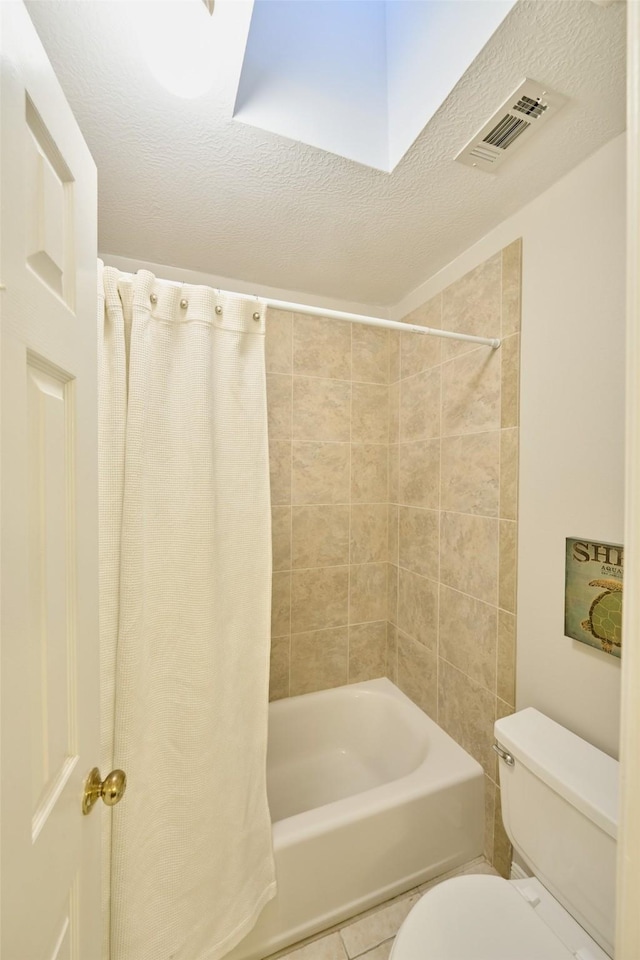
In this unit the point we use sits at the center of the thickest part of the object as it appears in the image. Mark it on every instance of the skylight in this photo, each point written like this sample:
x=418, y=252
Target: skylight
x=358, y=78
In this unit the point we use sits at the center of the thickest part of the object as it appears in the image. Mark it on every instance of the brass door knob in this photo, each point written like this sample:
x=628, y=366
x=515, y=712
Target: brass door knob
x=111, y=789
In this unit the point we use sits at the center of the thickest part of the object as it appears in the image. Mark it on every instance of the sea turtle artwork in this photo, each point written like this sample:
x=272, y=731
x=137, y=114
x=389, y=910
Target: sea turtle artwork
x=605, y=615
x=594, y=573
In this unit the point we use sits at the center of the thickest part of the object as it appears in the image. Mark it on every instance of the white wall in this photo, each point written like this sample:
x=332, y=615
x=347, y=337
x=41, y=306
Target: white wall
x=571, y=420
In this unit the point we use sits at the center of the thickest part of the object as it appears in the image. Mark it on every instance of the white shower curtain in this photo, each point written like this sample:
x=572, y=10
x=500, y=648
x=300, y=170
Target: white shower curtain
x=185, y=607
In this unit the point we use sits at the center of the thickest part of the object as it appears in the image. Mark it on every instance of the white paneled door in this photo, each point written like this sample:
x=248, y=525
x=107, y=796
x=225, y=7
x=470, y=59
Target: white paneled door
x=49, y=693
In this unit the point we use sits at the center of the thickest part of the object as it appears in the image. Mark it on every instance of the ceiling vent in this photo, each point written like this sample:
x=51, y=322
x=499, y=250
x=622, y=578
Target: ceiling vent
x=526, y=110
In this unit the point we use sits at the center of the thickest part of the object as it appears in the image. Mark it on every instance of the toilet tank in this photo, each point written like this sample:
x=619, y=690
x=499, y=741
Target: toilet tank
x=560, y=811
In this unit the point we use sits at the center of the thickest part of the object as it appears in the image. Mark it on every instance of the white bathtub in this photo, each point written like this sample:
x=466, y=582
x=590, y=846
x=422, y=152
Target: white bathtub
x=368, y=798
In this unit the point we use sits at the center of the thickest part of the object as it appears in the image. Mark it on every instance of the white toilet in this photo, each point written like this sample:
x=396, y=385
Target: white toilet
x=560, y=808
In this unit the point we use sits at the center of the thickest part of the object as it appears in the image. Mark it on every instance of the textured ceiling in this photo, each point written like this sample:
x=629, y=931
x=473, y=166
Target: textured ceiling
x=182, y=184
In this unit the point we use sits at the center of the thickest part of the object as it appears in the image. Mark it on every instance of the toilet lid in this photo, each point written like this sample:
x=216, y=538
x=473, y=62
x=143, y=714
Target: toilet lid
x=476, y=918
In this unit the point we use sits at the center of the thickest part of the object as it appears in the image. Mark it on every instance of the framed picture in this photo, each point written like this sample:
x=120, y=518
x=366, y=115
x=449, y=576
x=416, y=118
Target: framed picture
x=593, y=594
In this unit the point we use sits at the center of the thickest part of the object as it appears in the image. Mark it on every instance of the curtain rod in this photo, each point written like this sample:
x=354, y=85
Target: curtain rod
x=378, y=322
x=304, y=308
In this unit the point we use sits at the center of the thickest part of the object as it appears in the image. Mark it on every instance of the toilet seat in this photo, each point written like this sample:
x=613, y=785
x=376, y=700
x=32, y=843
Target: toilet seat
x=480, y=917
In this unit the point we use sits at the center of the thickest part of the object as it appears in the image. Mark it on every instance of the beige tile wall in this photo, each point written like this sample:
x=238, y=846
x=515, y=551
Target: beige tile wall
x=453, y=457
x=328, y=399
x=394, y=491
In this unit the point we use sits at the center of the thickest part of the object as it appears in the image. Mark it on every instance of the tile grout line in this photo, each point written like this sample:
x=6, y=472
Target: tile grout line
x=334, y=626
x=472, y=679
x=437, y=583
x=350, y=506
x=396, y=454
x=410, y=506
x=440, y=423
x=497, y=656
x=293, y=333
x=388, y=342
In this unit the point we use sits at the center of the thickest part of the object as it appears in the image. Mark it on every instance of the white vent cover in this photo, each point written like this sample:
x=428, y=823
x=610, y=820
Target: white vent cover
x=525, y=111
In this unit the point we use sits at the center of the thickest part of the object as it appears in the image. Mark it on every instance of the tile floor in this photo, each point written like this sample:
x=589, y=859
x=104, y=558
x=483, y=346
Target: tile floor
x=370, y=935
